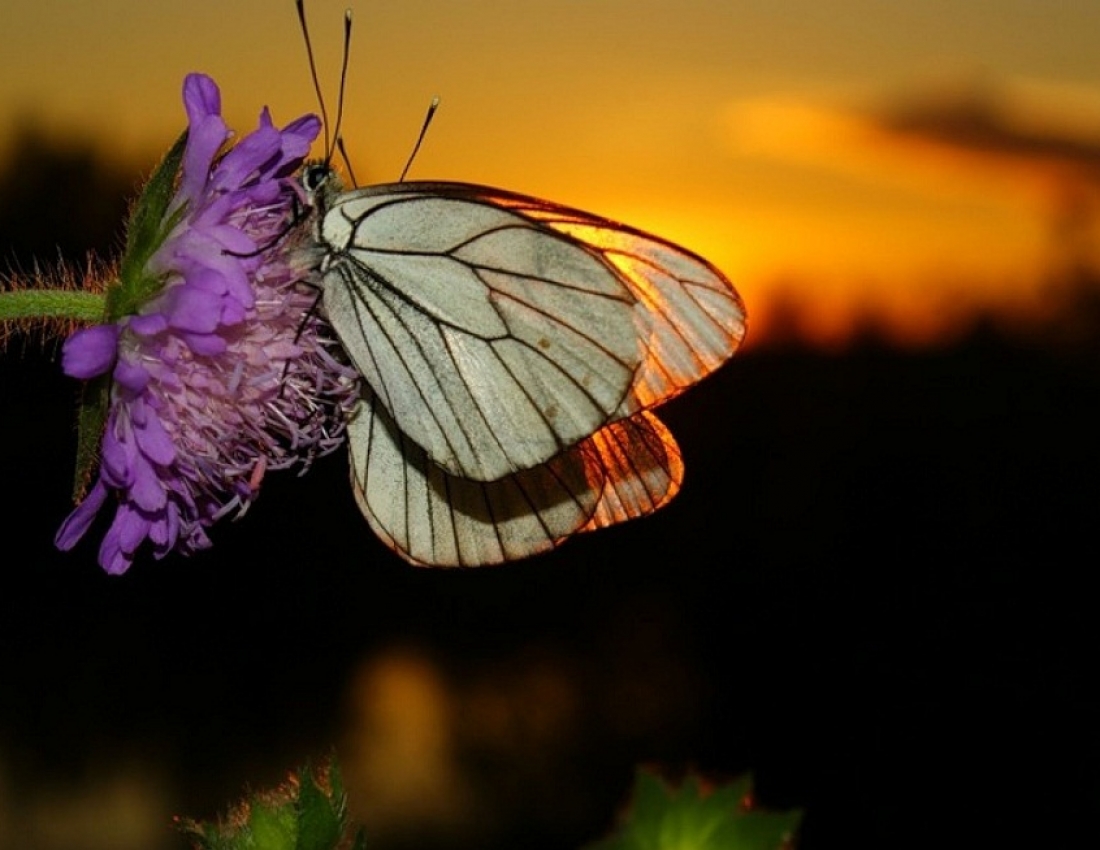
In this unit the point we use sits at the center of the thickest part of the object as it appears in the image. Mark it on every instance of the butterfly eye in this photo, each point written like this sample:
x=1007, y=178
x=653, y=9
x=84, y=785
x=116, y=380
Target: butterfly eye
x=315, y=176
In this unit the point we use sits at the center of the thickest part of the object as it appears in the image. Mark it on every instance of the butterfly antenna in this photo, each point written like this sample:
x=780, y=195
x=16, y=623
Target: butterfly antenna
x=432, y=107
x=347, y=162
x=343, y=82
x=313, y=71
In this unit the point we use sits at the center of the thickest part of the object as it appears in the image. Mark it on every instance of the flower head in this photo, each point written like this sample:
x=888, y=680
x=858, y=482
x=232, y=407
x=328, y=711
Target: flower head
x=221, y=370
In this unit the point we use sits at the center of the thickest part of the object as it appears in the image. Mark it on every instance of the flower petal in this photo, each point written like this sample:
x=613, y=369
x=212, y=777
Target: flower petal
x=76, y=524
x=111, y=557
x=133, y=376
x=90, y=351
x=154, y=441
x=148, y=325
x=191, y=309
x=117, y=456
x=206, y=134
x=146, y=490
x=243, y=164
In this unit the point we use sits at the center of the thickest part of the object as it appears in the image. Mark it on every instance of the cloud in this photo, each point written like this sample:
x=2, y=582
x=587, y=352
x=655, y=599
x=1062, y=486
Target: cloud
x=962, y=140
x=986, y=121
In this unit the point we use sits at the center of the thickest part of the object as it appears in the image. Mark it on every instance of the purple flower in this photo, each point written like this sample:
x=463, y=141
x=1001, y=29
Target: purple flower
x=225, y=372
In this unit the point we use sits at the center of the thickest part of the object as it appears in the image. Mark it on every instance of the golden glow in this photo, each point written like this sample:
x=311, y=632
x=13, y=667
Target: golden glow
x=400, y=755
x=751, y=133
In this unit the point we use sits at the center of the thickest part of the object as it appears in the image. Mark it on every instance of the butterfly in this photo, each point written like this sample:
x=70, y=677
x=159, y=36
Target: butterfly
x=511, y=350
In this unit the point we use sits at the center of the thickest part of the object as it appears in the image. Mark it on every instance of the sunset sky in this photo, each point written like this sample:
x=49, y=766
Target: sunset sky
x=906, y=159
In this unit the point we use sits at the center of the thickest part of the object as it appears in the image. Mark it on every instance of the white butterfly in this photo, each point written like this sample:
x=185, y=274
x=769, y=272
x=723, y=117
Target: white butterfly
x=511, y=350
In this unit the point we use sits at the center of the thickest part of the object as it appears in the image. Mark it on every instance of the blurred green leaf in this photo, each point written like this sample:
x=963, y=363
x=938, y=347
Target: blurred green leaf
x=308, y=812
x=692, y=818
x=319, y=821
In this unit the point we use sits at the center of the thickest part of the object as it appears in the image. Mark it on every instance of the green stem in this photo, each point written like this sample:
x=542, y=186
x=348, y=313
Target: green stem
x=52, y=304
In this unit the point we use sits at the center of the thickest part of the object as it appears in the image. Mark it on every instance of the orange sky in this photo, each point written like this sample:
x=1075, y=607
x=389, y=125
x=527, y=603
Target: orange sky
x=753, y=132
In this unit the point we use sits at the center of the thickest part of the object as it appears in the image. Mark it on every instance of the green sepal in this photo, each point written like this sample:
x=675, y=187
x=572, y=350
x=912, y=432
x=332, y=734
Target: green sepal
x=145, y=232
x=689, y=818
x=90, y=422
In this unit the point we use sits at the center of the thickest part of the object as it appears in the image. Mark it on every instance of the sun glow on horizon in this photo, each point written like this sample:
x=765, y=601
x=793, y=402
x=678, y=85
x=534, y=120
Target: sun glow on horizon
x=820, y=171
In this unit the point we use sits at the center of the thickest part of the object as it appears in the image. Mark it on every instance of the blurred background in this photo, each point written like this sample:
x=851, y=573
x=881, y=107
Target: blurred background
x=872, y=591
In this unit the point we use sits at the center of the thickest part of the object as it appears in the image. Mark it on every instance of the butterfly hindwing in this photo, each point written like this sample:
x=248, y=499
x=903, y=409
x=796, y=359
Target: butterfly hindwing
x=627, y=469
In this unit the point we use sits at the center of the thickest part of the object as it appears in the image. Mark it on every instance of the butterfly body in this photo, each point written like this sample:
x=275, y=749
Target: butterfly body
x=510, y=349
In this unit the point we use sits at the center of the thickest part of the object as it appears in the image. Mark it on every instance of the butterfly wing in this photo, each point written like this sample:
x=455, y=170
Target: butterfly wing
x=688, y=315
x=431, y=518
x=493, y=341
x=640, y=466
x=498, y=329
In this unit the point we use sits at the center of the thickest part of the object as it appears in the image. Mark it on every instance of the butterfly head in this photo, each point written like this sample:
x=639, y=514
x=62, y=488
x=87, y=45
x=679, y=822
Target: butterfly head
x=321, y=185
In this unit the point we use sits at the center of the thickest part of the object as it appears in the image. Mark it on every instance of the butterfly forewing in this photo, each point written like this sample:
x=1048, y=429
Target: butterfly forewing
x=689, y=315
x=494, y=342
x=689, y=318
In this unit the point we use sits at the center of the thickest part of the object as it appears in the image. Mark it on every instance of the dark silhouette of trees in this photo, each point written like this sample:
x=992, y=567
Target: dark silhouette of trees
x=59, y=201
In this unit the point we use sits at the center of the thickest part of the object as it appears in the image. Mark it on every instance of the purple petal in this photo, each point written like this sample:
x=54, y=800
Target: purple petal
x=90, y=351
x=231, y=238
x=233, y=312
x=247, y=158
x=76, y=524
x=117, y=458
x=146, y=491
x=298, y=138
x=149, y=324
x=173, y=520
x=207, y=280
x=192, y=309
x=111, y=557
x=206, y=134
x=201, y=97
x=132, y=528
x=130, y=375
x=154, y=441
x=206, y=345
x=158, y=532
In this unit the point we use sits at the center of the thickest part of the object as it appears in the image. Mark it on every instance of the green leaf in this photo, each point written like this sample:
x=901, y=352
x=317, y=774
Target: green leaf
x=691, y=818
